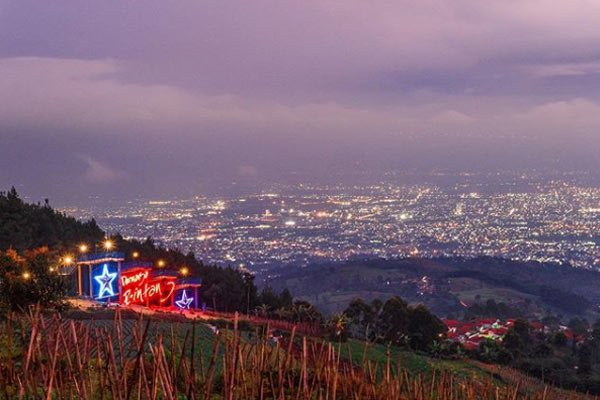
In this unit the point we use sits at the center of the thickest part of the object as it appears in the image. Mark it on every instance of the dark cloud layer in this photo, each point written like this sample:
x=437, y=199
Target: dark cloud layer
x=175, y=98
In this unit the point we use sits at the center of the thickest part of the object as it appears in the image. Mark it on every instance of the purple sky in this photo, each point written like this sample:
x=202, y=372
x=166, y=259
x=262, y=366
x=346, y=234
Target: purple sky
x=161, y=98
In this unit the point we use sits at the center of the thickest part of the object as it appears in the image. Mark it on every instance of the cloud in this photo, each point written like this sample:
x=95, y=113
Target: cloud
x=452, y=117
x=564, y=69
x=85, y=95
x=97, y=172
x=193, y=89
x=306, y=48
x=247, y=171
x=571, y=117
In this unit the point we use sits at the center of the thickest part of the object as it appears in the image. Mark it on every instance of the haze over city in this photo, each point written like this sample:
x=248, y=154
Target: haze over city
x=122, y=99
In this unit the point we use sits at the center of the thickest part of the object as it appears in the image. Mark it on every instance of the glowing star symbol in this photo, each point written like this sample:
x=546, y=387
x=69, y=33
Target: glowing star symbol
x=105, y=280
x=185, y=301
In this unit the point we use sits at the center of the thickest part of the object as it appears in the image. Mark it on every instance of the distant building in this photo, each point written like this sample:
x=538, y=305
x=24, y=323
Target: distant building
x=472, y=333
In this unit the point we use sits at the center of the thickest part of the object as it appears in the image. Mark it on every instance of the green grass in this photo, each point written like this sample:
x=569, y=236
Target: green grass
x=414, y=363
x=204, y=336
x=498, y=294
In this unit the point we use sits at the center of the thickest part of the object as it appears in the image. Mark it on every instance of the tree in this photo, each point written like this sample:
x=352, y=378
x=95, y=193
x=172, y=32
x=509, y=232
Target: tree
x=303, y=311
x=30, y=279
x=250, y=290
x=578, y=326
x=521, y=328
x=262, y=310
x=393, y=321
x=424, y=328
x=269, y=297
x=361, y=316
x=559, y=339
x=286, y=300
x=492, y=352
x=336, y=326
x=584, y=365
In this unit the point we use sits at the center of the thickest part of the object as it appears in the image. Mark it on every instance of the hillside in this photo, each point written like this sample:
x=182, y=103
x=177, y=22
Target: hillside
x=99, y=357
x=447, y=285
x=26, y=226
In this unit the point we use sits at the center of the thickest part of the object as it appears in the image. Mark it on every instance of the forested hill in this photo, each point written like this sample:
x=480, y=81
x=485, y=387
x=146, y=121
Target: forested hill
x=25, y=226
x=449, y=285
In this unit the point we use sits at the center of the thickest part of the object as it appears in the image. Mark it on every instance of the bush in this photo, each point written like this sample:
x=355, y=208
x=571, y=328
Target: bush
x=30, y=279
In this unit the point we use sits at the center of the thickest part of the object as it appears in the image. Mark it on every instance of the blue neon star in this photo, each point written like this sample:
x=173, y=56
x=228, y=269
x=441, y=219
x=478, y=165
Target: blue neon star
x=185, y=301
x=105, y=280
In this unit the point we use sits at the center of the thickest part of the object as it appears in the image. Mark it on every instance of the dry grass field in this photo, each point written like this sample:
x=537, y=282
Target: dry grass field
x=47, y=357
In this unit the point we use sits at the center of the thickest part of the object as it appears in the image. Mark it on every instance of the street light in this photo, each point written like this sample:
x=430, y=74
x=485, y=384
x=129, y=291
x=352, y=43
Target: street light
x=26, y=275
x=135, y=254
x=108, y=244
x=67, y=260
x=161, y=263
x=184, y=271
x=83, y=248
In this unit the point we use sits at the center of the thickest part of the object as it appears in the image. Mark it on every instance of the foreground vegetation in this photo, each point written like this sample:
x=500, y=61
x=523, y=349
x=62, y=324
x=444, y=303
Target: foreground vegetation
x=49, y=357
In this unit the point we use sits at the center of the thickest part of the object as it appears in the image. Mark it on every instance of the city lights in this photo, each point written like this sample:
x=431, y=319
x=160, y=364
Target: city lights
x=383, y=220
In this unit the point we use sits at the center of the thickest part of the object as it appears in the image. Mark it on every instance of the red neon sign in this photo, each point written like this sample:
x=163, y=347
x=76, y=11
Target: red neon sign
x=139, y=289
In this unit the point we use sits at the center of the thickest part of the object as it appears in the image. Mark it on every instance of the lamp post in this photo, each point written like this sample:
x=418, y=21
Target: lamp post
x=83, y=248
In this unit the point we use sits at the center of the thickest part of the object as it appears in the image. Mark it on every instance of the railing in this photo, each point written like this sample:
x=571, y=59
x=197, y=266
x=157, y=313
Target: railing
x=133, y=264
x=101, y=256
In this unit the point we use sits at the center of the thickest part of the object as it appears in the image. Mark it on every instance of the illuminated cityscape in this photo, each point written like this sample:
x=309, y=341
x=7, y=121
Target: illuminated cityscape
x=554, y=221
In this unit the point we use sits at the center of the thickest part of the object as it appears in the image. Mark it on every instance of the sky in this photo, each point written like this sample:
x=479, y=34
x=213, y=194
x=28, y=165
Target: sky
x=175, y=98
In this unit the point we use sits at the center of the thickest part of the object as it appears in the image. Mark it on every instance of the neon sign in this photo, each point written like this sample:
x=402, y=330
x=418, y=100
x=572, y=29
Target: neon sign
x=105, y=280
x=127, y=280
x=139, y=289
x=185, y=301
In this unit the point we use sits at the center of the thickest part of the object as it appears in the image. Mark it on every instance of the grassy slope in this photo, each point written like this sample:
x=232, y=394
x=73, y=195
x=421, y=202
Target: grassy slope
x=414, y=363
x=463, y=370
x=354, y=351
